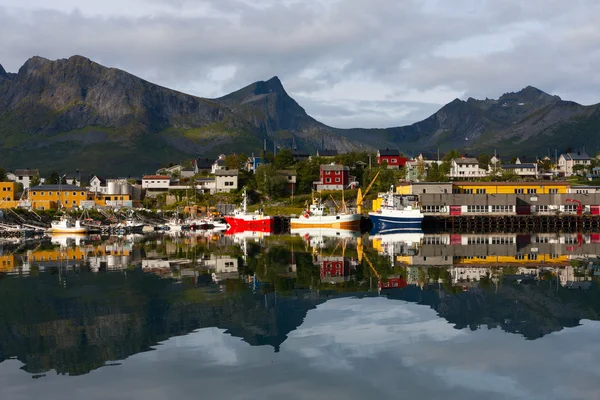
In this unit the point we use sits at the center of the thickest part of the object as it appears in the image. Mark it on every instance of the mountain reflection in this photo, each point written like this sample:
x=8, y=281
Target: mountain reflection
x=74, y=304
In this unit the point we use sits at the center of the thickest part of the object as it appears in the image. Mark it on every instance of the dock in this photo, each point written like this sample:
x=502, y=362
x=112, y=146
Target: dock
x=511, y=223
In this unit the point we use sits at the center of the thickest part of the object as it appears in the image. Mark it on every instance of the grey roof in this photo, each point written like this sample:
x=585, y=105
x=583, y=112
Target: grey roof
x=226, y=172
x=580, y=155
x=516, y=166
x=205, y=163
x=26, y=172
x=327, y=153
x=389, y=152
x=329, y=167
x=466, y=161
x=63, y=188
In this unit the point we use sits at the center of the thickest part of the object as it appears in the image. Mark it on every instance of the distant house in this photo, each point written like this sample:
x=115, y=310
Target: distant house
x=300, y=156
x=97, y=185
x=218, y=165
x=226, y=180
x=254, y=162
x=524, y=170
x=333, y=177
x=206, y=185
x=567, y=161
x=23, y=176
x=156, y=184
x=392, y=157
x=466, y=168
x=203, y=165
x=327, y=153
x=290, y=176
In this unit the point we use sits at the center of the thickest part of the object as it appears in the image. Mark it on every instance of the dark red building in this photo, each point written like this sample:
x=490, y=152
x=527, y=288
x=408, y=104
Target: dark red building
x=393, y=158
x=333, y=177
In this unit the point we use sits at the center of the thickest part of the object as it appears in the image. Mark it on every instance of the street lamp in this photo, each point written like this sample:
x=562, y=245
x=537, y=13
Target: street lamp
x=60, y=190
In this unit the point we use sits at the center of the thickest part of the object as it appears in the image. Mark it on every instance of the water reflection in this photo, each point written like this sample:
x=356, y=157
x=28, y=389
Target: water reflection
x=73, y=304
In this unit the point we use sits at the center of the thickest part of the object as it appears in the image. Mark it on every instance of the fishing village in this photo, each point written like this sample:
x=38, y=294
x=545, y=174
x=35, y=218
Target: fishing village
x=291, y=191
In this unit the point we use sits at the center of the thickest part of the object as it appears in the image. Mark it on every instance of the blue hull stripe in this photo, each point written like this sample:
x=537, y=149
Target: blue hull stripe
x=382, y=223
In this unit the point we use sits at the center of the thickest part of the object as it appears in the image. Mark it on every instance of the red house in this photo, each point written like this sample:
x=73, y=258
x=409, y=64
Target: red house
x=333, y=177
x=393, y=158
x=334, y=269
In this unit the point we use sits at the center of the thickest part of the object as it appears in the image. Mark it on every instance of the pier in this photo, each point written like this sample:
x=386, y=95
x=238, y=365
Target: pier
x=511, y=223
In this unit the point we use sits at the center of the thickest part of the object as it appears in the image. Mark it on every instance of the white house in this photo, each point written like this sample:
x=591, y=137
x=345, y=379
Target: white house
x=155, y=184
x=226, y=180
x=567, y=161
x=524, y=170
x=206, y=185
x=466, y=168
x=219, y=164
x=97, y=185
x=23, y=176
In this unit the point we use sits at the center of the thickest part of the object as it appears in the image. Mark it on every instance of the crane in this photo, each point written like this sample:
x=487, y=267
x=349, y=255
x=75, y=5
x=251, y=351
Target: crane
x=360, y=197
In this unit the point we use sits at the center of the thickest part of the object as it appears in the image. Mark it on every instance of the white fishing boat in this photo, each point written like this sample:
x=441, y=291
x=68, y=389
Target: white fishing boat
x=67, y=225
x=397, y=212
x=315, y=216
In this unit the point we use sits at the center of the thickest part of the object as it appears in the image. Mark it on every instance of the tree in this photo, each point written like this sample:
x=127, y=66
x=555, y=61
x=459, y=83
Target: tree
x=484, y=161
x=451, y=154
x=546, y=165
x=579, y=169
x=34, y=181
x=53, y=178
x=434, y=174
x=284, y=159
x=3, y=177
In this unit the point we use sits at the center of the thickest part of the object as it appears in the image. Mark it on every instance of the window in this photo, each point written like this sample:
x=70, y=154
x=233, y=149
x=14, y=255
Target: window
x=41, y=193
x=424, y=190
x=519, y=257
x=83, y=193
x=480, y=191
x=327, y=180
x=502, y=240
x=74, y=193
x=477, y=240
x=501, y=209
x=477, y=209
x=570, y=208
x=543, y=208
x=531, y=191
x=532, y=256
x=74, y=202
x=519, y=191
x=433, y=209
x=337, y=172
x=337, y=179
x=394, y=160
x=468, y=191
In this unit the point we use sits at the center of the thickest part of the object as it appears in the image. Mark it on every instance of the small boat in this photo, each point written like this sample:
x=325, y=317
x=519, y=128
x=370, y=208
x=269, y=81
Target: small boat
x=241, y=220
x=67, y=225
x=397, y=212
x=314, y=216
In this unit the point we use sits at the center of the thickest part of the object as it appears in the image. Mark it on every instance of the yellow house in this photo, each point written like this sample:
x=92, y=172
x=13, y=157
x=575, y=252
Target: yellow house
x=55, y=196
x=8, y=192
x=511, y=187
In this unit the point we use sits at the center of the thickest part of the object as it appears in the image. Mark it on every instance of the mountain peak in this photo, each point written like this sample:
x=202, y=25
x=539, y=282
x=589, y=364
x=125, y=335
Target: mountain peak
x=3, y=73
x=531, y=94
x=34, y=63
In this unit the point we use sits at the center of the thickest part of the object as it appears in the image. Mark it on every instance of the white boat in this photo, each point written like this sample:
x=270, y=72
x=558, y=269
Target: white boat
x=397, y=212
x=67, y=225
x=314, y=216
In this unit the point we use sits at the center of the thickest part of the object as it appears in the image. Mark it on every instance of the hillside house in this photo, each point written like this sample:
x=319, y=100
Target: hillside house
x=156, y=184
x=524, y=170
x=254, y=162
x=392, y=157
x=97, y=185
x=203, y=165
x=466, y=168
x=23, y=176
x=226, y=180
x=327, y=153
x=290, y=176
x=567, y=161
x=333, y=177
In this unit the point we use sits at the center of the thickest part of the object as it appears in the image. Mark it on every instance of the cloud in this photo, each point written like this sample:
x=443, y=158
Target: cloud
x=377, y=62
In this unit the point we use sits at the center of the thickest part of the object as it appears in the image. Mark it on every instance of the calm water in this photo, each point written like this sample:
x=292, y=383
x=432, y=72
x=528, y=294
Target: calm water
x=301, y=317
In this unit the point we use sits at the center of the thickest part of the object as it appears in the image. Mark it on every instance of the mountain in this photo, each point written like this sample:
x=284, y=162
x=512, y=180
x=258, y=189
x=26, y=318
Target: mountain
x=76, y=114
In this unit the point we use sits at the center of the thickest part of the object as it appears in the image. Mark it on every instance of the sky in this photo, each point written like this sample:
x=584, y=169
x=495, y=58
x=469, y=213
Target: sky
x=346, y=349
x=349, y=63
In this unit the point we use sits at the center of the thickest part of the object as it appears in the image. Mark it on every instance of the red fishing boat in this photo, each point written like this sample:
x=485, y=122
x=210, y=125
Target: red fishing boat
x=241, y=220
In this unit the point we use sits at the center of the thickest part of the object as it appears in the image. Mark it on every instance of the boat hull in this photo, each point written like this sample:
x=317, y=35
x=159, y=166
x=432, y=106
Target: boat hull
x=347, y=222
x=264, y=224
x=68, y=230
x=384, y=222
